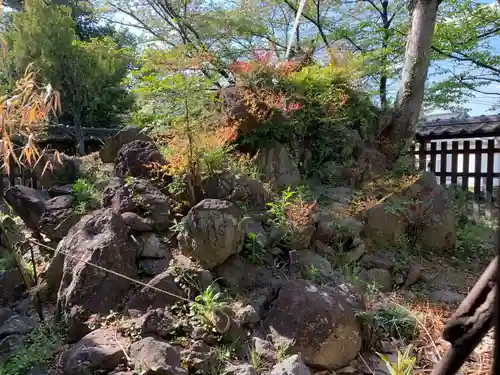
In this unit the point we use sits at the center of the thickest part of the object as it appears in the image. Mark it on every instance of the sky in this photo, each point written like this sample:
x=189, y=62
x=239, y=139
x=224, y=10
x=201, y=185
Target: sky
x=478, y=105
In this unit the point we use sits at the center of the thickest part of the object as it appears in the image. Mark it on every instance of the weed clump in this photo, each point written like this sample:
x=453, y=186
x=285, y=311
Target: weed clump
x=41, y=346
x=85, y=195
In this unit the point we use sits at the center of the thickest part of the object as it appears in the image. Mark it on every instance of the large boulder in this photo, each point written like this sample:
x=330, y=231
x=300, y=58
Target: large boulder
x=278, y=167
x=152, y=297
x=315, y=321
x=156, y=357
x=141, y=197
x=58, y=217
x=152, y=204
x=135, y=157
x=292, y=365
x=251, y=192
x=27, y=203
x=51, y=170
x=369, y=164
x=113, y=144
x=99, y=351
x=240, y=276
x=384, y=226
x=431, y=211
x=12, y=286
x=218, y=185
x=118, y=196
x=100, y=238
x=212, y=232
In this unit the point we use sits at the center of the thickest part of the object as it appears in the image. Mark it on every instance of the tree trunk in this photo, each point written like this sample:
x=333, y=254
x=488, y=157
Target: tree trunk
x=410, y=95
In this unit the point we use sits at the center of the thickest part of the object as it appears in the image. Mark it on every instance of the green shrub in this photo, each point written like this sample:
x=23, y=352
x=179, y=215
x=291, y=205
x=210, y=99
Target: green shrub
x=396, y=322
x=42, y=344
x=84, y=194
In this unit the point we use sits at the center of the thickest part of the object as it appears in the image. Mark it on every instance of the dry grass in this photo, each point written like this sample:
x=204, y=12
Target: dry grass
x=377, y=191
x=93, y=168
x=430, y=347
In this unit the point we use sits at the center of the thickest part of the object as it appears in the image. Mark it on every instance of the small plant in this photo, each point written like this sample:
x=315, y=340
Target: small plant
x=256, y=360
x=214, y=160
x=470, y=242
x=404, y=364
x=311, y=272
x=177, y=226
x=84, y=195
x=278, y=209
x=42, y=344
x=396, y=322
x=205, y=304
x=282, y=352
x=7, y=262
x=251, y=249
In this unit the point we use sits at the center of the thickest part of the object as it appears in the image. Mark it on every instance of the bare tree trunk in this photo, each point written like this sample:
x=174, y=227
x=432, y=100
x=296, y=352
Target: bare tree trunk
x=411, y=91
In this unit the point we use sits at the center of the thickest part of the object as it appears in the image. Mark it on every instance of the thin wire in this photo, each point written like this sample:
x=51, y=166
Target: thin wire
x=294, y=28
x=111, y=271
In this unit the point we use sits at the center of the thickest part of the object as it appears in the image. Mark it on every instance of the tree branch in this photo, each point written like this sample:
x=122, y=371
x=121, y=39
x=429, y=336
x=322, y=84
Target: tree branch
x=313, y=21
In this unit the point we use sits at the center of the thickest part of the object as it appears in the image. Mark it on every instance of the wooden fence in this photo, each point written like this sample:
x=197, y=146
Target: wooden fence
x=472, y=164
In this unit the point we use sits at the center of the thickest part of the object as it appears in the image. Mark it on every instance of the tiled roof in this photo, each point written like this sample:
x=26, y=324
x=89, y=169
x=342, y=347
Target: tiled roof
x=461, y=127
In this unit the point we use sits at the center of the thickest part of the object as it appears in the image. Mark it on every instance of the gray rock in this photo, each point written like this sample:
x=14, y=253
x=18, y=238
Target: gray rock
x=148, y=298
x=239, y=369
x=241, y=276
x=10, y=345
x=309, y=260
x=153, y=203
x=118, y=196
x=212, y=232
x=153, y=267
x=376, y=261
x=252, y=226
x=152, y=246
x=134, y=157
x=200, y=357
x=64, y=169
x=160, y=357
x=58, y=217
x=12, y=286
x=446, y=296
x=433, y=212
x=384, y=226
x=17, y=324
x=28, y=204
x=264, y=349
x=378, y=277
x=99, y=351
x=156, y=322
x=278, y=167
x=247, y=315
x=113, y=144
x=315, y=321
x=137, y=223
x=100, y=238
x=293, y=365
x=355, y=254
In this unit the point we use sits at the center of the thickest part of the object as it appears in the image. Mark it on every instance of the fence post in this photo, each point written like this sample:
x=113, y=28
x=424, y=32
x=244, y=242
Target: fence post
x=422, y=155
x=465, y=179
x=454, y=162
x=444, y=160
x=489, y=167
x=477, y=170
